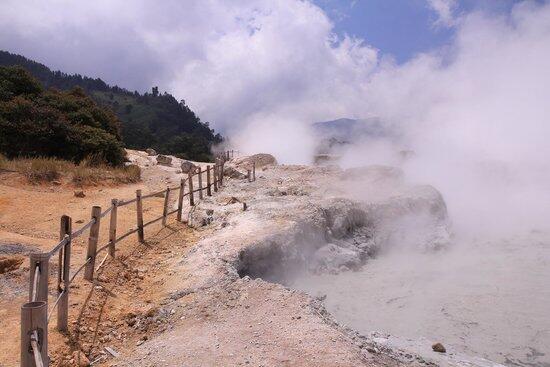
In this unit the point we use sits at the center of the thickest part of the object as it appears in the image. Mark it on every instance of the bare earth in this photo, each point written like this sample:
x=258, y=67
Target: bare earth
x=195, y=296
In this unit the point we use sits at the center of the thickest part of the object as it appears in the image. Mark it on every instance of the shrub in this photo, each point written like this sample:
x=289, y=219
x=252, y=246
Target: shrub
x=65, y=125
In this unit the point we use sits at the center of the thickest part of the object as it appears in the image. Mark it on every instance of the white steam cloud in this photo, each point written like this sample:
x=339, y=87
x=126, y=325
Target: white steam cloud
x=478, y=118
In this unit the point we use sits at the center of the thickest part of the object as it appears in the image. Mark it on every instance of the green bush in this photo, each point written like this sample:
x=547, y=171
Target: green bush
x=66, y=125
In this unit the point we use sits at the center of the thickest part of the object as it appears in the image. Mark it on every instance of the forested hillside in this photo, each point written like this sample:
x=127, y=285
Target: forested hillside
x=153, y=119
x=67, y=125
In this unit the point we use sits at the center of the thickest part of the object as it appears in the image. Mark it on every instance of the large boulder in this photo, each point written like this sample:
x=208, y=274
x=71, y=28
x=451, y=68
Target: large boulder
x=233, y=173
x=261, y=160
x=164, y=160
x=150, y=151
x=416, y=217
x=187, y=167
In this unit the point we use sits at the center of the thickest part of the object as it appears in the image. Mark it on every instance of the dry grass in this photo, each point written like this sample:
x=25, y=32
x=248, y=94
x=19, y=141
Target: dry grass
x=38, y=170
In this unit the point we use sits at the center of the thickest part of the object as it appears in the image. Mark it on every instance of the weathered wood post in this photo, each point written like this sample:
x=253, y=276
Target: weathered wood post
x=249, y=175
x=191, y=198
x=215, y=173
x=232, y=153
x=227, y=155
x=221, y=171
x=208, y=182
x=200, y=183
x=180, y=199
x=165, y=209
x=253, y=171
x=92, y=244
x=139, y=210
x=112, y=228
x=42, y=262
x=34, y=333
x=64, y=274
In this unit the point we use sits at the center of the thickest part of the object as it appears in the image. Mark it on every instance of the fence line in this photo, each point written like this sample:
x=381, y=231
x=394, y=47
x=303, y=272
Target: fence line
x=35, y=315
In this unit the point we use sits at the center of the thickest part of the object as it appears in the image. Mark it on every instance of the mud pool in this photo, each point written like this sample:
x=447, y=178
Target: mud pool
x=488, y=299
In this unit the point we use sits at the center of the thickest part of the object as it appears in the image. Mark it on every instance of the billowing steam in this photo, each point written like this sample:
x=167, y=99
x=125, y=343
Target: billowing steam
x=476, y=114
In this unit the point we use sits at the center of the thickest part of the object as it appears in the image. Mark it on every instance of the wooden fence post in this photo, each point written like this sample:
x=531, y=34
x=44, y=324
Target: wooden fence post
x=221, y=172
x=112, y=228
x=200, y=183
x=34, y=322
x=42, y=260
x=227, y=155
x=249, y=175
x=64, y=274
x=180, y=199
x=253, y=171
x=215, y=174
x=165, y=209
x=139, y=210
x=92, y=244
x=208, y=182
x=191, y=198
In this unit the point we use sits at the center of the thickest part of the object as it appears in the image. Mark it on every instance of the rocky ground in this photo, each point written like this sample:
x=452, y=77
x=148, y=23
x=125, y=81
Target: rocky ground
x=215, y=293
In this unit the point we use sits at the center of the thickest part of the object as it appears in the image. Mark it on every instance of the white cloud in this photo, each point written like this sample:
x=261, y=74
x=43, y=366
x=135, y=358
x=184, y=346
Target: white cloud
x=445, y=11
x=229, y=60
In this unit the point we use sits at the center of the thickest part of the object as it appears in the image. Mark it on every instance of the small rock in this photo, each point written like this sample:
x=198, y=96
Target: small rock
x=151, y=311
x=79, y=194
x=187, y=167
x=234, y=173
x=150, y=151
x=56, y=183
x=321, y=297
x=164, y=160
x=439, y=348
x=80, y=221
x=80, y=358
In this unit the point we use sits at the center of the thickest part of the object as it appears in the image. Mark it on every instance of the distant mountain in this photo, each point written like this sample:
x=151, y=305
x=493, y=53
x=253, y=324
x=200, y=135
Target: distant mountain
x=346, y=130
x=150, y=120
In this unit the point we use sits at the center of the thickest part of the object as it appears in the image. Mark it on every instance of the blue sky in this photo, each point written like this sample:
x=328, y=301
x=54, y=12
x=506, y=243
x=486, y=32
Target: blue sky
x=401, y=28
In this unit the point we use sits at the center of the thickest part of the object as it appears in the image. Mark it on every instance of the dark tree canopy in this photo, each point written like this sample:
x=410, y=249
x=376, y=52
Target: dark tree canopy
x=67, y=125
x=151, y=120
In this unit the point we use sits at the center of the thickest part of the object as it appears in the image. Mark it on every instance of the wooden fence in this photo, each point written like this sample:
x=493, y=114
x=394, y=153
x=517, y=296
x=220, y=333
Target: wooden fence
x=35, y=315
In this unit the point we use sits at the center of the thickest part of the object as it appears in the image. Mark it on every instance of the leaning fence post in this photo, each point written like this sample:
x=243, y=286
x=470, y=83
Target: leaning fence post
x=191, y=198
x=215, y=174
x=200, y=183
x=139, y=210
x=165, y=208
x=208, y=182
x=92, y=244
x=34, y=334
x=253, y=171
x=180, y=199
x=112, y=227
x=42, y=262
x=64, y=273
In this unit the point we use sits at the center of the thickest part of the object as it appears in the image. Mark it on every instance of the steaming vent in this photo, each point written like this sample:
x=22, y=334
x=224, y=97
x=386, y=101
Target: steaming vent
x=343, y=242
